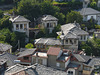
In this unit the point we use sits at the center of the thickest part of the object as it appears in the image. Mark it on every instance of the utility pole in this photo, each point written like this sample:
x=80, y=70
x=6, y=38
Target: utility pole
x=19, y=45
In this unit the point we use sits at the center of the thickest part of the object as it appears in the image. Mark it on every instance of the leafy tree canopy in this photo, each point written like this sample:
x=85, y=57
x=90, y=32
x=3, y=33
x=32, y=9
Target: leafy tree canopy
x=29, y=45
x=73, y=16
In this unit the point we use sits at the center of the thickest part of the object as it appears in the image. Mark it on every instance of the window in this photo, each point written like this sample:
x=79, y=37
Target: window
x=70, y=72
x=81, y=38
x=26, y=58
x=66, y=41
x=41, y=46
x=21, y=26
x=71, y=42
x=17, y=26
x=25, y=26
x=47, y=25
x=37, y=46
x=84, y=37
x=58, y=64
x=75, y=41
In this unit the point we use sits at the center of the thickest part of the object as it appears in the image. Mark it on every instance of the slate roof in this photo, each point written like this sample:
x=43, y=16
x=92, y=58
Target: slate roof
x=49, y=18
x=26, y=52
x=47, y=41
x=32, y=70
x=5, y=47
x=89, y=11
x=2, y=61
x=10, y=58
x=53, y=51
x=71, y=30
x=82, y=58
x=94, y=61
x=19, y=19
x=73, y=65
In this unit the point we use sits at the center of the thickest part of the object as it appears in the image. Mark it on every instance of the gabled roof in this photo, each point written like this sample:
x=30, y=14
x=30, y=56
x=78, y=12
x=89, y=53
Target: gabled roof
x=71, y=30
x=5, y=47
x=33, y=70
x=19, y=19
x=89, y=11
x=47, y=41
x=26, y=52
x=82, y=58
x=2, y=61
x=94, y=61
x=10, y=58
x=49, y=18
x=53, y=51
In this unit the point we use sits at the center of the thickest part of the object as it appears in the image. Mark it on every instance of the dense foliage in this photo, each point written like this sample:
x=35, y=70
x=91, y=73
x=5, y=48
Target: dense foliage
x=91, y=47
x=29, y=45
x=73, y=16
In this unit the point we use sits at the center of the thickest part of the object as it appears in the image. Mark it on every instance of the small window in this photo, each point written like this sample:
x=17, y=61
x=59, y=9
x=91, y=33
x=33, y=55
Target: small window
x=26, y=58
x=81, y=37
x=70, y=72
x=37, y=46
x=21, y=26
x=66, y=41
x=17, y=26
x=47, y=25
x=25, y=26
x=58, y=64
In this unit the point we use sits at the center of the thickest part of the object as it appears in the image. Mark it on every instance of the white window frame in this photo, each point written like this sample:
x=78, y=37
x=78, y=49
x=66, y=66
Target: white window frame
x=58, y=64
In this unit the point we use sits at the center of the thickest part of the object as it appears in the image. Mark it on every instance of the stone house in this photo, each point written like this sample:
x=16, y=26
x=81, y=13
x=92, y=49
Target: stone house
x=89, y=13
x=20, y=24
x=45, y=43
x=40, y=58
x=48, y=21
x=60, y=61
x=5, y=48
x=25, y=56
x=71, y=34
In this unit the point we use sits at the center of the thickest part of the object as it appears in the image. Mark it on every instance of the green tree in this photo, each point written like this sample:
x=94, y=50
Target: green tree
x=60, y=17
x=1, y=13
x=29, y=45
x=48, y=8
x=73, y=16
x=5, y=23
x=29, y=9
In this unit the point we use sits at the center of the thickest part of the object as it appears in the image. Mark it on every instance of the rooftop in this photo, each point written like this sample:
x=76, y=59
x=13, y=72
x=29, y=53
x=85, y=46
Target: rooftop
x=32, y=70
x=26, y=52
x=72, y=65
x=10, y=58
x=48, y=41
x=49, y=18
x=5, y=47
x=41, y=54
x=19, y=19
x=89, y=11
x=53, y=51
x=71, y=30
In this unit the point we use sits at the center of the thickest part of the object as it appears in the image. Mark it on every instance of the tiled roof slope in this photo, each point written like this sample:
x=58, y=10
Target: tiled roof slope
x=53, y=51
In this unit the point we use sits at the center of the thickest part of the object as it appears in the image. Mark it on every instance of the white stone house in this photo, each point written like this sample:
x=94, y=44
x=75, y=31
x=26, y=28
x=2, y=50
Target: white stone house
x=89, y=13
x=71, y=34
x=49, y=22
x=20, y=24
